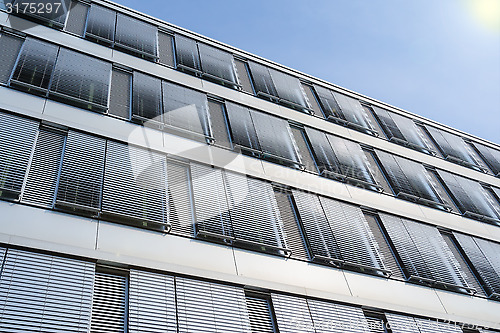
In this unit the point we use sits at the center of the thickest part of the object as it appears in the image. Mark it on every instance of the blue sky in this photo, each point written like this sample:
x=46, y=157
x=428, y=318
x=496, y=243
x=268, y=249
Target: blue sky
x=436, y=58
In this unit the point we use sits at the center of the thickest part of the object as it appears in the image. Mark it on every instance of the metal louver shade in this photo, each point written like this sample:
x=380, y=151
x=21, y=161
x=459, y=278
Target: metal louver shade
x=354, y=239
x=43, y=173
x=352, y=111
x=241, y=126
x=289, y=89
x=35, y=65
x=292, y=314
x=401, y=324
x=274, y=137
x=186, y=51
x=81, y=79
x=424, y=254
x=490, y=156
x=151, y=303
x=470, y=197
x=409, y=180
x=9, y=51
x=186, y=109
x=109, y=303
x=262, y=81
x=259, y=312
x=134, y=186
x=101, y=23
x=330, y=317
x=452, y=147
x=211, y=207
x=80, y=183
x=136, y=36
x=43, y=293
x=483, y=255
x=327, y=101
x=401, y=130
x=217, y=63
x=322, y=150
x=146, y=98
x=210, y=307
x=254, y=213
x=17, y=137
x=180, y=212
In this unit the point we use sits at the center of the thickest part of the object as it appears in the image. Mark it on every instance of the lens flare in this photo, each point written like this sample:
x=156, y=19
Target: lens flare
x=486, y=12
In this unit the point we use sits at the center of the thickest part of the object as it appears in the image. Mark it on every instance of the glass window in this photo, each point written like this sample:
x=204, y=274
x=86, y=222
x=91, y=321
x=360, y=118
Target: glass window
x=289, y=89
x=35, y=65
x=101, y=23
x=220, y=130
x=490, y=156
x=242, y=129
x=470, y=197
x=136, y=36
x=186, y=109
x=186, y=51
x=262, y=81
x=82, y=79
x=77, y=18
x=313, y=100
x=146, y=98
x=327, y=101
x=351, y=110
x=9, y=51
x=52, y=12
x=120, y=96
x=409, y=180
x=217, y=64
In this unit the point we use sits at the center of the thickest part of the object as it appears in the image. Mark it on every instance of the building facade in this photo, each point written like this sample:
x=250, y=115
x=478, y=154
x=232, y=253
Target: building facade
x=155, y=180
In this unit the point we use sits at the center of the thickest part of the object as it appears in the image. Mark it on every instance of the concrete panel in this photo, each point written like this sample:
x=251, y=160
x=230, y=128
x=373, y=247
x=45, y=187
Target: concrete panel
x=469, y=309
x=157, y=250
x=289, y=275
x=102, y=125
x=45, y=229
x=13, y=100
x=393, y=295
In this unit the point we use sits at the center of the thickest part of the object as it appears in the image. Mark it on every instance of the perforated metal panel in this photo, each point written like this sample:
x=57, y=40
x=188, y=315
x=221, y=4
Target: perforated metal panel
x=220, y=130
x=9, y=51
x=109, y=306
x=43, y=293
x=17, y=137
x=134, y=186
x=77, y=18
x=180, y=210
x=80, y=183
x=306, y=157
x=292, y=314
x=210, y=307
x=331, y=317
x=166, y=49
x=43, y=173
x=120, y=94
x=151, y=303
x=243, y=76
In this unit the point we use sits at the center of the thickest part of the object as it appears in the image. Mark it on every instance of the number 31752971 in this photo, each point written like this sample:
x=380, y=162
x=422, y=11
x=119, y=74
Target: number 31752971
x=33, y=8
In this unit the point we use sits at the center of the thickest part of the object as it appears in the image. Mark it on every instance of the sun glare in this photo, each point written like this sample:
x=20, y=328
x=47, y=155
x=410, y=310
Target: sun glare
x=487, y=12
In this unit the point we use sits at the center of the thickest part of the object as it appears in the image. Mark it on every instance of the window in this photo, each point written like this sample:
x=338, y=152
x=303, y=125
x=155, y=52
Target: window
x=338, y=234
x=409, y=180
x=327, y=102
x=424, y=255
x=259, y=309
x=53, y=18
x=146, y=98
x=352, y=114
x=186, y=51
x=210, y=307
x=341, y=159
x=242, y=129
x=240, y=210
x=292, y=314
x=43, y=173
x=453, y=147
x=304, y=148
x=401, y=130
x=337, y=317
x=180, y=213
x=218, y=122
x=135, y=187
x=136, y=36
x=243, y=76
x=110, y=301
x=81, y=80
x=17, y=137
x=483, y=257
x=166, y=48
x=313, y=100
x=77, y=18
x=471, y=197
x=185, y=110
x=80, y=183
x=10, y=46
x=44, y=293
x=151, y=303
x=120, y=96
x=34, y=66
x=101, y=24
x=217, y=65
x=490, y=156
